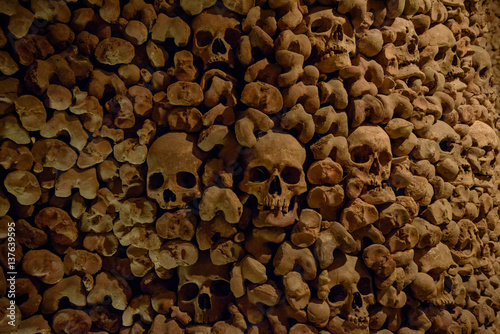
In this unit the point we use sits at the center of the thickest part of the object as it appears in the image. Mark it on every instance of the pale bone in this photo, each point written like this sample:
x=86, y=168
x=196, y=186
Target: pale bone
x=485, y=144
x=184, y=119
x=70, y=287
x=60, y=122
x=255, y=244
x=185, y=93
x=71, y=320
x=329, y=144
x=138, y=306
x=180, y=224
x=420, y=190
x=302, y=93
x=267, y=293
x=327, y=120
x=247, y=269
x=307, y=229
x=335, y=34
x=334, y=93
x=105, y=244
x=20, y=19
x=291, y=13
x=225, y=200
x=225, y=252
x=220, y=96
x=184, y=67
x=348, y=277
x=138, y=235
x=287, y=256
x=203, y=290
x=358, y=214
x=29, y=235
x=94, y=153
x=14, y=156
x=130, y=150
x=356, y=77
x=24, y=286
x=281, y=315
x=23, y=186
x=326, y=172
x=115, y=287
x=162, y=183
x=297, y=117
x=263, y=71
x=196, y=7
x=394, y=216
x=371, y=42
x=378, y=258
x=101, y=80
x=439, y=212
x=81, y=261
x=248, y=122
x=62, y=230
x=113, y=51
x=44, y=265
x=297, y=291
x=262, y=96
x=318, y=312
x=215, y=46
x=167, y=27
x=174, y=253
x=404, y=238
x=10, y=128
x=31, y=112
x=334, y=237
x=216, y=173
x=157, y=55
x=265, y=19
x=291, y=51
x=122, y=110
x=89, y=109
x=327, y=199
x=84, y=180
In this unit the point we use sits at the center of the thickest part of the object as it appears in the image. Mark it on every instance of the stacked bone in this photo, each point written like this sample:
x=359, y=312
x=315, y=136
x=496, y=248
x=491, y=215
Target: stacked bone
x=257, y=166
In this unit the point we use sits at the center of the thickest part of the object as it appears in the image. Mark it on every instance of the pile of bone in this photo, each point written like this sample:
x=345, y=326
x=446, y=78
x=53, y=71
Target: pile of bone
x=250, y=166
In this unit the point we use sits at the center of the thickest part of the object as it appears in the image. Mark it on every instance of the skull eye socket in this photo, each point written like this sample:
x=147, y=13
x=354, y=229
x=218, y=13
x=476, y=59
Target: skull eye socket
x=220, y=288
x=385, y=158
x=156, y=181
x=337, y=294
x=446, y=145
x=232, y=36
x=186, y=179
x=291, y=175
x=189, y=291
x=321, y=25
x=259, y=174
x=204, y=38
x=365, y=286
x=361, y=154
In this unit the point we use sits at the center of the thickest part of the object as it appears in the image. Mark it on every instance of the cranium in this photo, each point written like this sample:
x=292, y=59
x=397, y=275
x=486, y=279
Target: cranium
x=481, y=61
x=406, y=42
x=215, y=35
x=332, y=36
x=346, y=285
x=371, y=154
x=275, y=176
x=173, y=161
x=204, y=290
x=482, y=154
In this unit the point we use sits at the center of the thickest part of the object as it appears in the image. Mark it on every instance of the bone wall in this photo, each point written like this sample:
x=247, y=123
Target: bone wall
x=250, y=166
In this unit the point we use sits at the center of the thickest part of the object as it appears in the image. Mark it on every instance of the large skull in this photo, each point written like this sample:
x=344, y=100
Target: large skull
x=215, y=35
x=406, y=41
x=482, y=154
x=332, y=36
x=481, y=62
x=274, y=175
x=204, y=291
x=371, y=153
x=346, y=286
x=173, y=162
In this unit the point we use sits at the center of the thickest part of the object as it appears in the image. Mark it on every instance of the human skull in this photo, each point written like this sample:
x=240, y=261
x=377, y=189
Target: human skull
x=481, y=62
x=371, y=153
x=332, y=36
x=484, y=150
x=274, y=174
x=347, y=288
x=406, y=42
x=173, y=161
x=204, y=290
x=215, y=35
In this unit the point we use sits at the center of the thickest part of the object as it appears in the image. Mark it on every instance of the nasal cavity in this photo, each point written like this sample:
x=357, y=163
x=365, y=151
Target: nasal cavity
x=218, y=47
x=275, y=187
x=357, y=300
x=204, y=301
x=169, y=196
x=375, y=168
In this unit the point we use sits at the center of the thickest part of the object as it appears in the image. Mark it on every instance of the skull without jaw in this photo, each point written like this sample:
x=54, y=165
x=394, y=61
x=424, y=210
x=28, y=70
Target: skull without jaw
x=333, y=38
x=274, y=175
x=173, y=161
x=204, y=290
x=215, y=35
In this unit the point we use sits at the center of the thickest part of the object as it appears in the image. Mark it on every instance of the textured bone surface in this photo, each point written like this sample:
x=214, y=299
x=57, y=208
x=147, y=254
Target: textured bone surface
x=250, y=166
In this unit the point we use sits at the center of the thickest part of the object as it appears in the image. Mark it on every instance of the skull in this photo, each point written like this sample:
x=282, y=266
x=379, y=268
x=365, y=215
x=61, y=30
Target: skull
x=346, y=286
x=332, y=36
x=406, y=41
x=173, y=161
x=481, y=155
x=204, y=290
x=481, y=61
x=371, y=153
x=216, y=34
x=275, y=176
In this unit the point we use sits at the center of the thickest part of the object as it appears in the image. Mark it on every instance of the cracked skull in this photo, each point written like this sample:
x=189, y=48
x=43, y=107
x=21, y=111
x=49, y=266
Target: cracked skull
x=371, y=153
x=332, y=37
x=173, y=162
x=275, y=176
x=215, y=36
x=346, y=285
x=204, y=291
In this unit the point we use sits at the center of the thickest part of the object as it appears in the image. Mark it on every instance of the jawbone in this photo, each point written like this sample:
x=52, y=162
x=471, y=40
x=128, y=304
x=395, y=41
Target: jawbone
x=276, y=217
